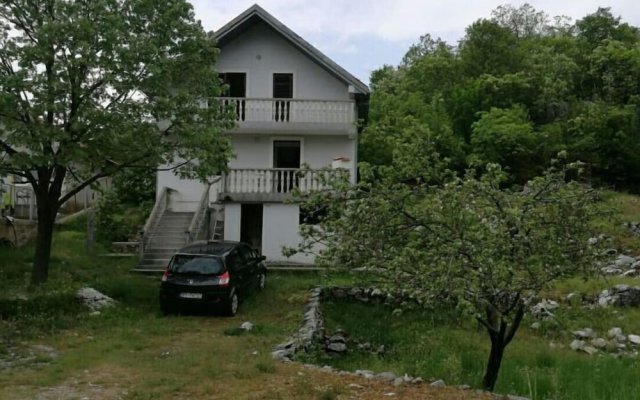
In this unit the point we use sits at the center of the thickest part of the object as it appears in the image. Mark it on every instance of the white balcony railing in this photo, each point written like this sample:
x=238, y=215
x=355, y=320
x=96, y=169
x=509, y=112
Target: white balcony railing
x=285, y=111
x=273, y=181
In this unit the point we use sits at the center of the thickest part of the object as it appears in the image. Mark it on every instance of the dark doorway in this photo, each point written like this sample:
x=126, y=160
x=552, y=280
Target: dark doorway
x=236, y=84
x=286, y=155
x=236, y=88
x=282, y=89
x=251, y=225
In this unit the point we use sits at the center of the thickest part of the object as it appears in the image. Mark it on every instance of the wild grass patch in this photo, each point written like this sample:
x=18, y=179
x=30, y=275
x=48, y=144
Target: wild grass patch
x=440, y=345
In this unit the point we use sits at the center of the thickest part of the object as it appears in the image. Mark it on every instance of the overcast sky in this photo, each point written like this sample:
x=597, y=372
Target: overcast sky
x=363, y=35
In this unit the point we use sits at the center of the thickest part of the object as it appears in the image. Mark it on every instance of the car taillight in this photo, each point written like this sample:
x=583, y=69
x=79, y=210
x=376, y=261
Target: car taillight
x=165, y=275
x=223, y=280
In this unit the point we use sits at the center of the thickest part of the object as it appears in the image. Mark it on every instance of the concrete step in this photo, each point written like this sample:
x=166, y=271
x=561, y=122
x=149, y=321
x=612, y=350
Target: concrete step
x=157, y=250
x=159, y=264
x=164, y=241
x=177, y=237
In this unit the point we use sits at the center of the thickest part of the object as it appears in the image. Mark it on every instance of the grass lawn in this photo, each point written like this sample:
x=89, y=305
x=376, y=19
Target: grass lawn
x=437, y=345
x=440, y=345
x=132, y=352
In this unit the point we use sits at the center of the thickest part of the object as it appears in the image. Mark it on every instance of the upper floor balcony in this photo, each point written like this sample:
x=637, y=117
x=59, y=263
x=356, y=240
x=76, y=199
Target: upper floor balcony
x=273, y=184
x=274, y=115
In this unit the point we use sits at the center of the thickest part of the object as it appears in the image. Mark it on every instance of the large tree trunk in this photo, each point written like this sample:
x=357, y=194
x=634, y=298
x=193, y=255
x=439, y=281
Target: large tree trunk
x=47, y=191
x=47, y=211
x=493, y=365
x=501, y=334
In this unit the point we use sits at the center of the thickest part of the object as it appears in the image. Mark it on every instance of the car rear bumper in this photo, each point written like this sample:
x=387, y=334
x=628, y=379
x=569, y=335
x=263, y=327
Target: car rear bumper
x=175, y=296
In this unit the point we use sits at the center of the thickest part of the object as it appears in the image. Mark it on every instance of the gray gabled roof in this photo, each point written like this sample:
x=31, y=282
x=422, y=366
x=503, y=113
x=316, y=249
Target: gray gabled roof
x=256, y=13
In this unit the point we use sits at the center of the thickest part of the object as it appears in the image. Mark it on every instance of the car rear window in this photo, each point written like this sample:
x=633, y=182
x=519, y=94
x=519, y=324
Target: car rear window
x=196, y=264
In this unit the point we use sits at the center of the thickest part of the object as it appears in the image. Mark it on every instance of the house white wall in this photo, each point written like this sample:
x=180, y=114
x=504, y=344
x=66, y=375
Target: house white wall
x=280, y=228
x=256, y=151
x=186, y=193
x=232, y=221
x=260, y=52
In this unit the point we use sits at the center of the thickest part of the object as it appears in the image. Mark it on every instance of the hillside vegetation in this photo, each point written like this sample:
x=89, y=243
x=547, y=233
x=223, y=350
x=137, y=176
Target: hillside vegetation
x=517, y=89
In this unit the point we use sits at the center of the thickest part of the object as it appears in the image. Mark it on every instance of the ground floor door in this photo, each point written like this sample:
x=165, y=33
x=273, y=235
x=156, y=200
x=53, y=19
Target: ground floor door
x=251, y=225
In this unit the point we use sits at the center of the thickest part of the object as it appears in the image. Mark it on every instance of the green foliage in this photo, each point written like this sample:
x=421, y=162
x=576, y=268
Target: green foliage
x=464, y=241
x=91, y=88
x=519, y=58
x=117, y=221
x=122, y=209
x=608, y=137
x=506, y=137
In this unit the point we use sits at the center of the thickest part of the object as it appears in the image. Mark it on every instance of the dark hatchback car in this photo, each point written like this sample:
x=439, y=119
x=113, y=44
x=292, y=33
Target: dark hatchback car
x=215, y=274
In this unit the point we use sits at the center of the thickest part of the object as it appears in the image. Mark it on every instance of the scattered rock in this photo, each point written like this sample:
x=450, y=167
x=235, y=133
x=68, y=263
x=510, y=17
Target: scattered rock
x=44, y=350
x=365, y=373
x=586, y=333
x=634, y=339
x=337, y=347
x=438, y=383
x=94, y=299
x=611, y=270
x=614, y=332
x=634, y=227
x=620, y=295
x=577, y=345
x=624, y=261
x=599, y=343
x=544, y=309
x=386, y=376
x=246, y=326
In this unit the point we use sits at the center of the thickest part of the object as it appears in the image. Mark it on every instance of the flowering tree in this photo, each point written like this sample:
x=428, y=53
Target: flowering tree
x=463, y=240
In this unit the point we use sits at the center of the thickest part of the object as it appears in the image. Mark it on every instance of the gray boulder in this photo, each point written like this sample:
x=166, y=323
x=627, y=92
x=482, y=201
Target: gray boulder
x=94, y=299
x=438, y=383
x=624, y=261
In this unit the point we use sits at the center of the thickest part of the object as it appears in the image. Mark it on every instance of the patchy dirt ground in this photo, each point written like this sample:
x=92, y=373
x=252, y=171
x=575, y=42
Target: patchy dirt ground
x=290, y=381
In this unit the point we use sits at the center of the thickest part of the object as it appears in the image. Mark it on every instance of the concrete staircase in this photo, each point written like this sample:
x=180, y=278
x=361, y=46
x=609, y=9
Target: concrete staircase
x=164, y=240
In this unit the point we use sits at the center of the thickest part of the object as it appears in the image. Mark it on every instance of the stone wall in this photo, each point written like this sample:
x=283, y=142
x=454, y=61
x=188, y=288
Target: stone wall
x=25, y=231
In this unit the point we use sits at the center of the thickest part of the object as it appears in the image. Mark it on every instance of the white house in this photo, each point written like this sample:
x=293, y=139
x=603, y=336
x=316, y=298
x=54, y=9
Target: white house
x=294, y=106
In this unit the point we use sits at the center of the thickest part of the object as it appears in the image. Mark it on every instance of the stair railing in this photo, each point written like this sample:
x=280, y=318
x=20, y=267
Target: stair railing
x=154, y=218
x=199, y=217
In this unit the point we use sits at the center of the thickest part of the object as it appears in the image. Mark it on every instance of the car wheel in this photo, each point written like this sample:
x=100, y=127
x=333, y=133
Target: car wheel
x=262, y=281
x=231, y=305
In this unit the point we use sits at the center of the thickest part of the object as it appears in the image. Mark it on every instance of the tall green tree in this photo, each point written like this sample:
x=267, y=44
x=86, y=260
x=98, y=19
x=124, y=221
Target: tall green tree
x=554, y=70
x=88, y=88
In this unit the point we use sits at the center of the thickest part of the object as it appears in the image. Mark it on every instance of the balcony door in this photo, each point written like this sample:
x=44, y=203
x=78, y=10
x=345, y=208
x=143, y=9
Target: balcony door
x=282, y=90
x=286, y=159
x=236, y=89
